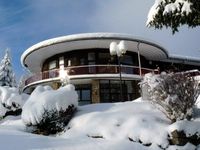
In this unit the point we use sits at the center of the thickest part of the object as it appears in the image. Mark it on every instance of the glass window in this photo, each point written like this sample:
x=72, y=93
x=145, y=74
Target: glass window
x=91, y=56
x=74, y=61
x=52, y=64
x=84, y=94
x=104, y=58
x=82, y=61
x=127, y=60
x=110, y=90
x=79, y=94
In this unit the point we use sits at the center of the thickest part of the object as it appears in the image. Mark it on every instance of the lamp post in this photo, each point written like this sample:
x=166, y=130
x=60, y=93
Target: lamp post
x=119, y=50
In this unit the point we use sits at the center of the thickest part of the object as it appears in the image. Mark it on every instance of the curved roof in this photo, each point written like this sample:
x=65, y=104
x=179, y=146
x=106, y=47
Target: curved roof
x=34, y=56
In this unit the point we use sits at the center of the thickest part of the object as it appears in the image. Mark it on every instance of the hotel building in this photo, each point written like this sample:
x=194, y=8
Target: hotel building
x=86, y=60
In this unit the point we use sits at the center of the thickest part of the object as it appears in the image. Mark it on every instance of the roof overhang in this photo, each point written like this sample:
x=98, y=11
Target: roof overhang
x=34, y=56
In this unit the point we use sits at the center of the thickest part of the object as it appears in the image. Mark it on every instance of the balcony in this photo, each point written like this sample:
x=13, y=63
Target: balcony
x=88, y=70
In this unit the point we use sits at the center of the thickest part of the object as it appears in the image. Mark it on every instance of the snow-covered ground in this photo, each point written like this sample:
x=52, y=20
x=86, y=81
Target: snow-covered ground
x=119, y=126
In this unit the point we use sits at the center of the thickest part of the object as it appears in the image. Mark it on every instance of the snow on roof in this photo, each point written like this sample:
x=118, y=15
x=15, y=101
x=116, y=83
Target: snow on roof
x=184, y=59
x=34, y=56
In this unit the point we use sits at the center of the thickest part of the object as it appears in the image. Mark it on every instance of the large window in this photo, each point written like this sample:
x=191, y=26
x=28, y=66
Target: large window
x=84, y=94
x=127, y=60
x=110, y=90
x=52, y=64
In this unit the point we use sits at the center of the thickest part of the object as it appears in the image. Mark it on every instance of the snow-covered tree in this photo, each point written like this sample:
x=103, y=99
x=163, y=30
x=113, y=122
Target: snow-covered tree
x=174, y=13
x=7, y=77
x=175, y=93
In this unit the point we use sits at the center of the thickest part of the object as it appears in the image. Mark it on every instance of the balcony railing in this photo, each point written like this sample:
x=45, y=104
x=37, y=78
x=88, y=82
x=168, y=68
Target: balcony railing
x=89, y=69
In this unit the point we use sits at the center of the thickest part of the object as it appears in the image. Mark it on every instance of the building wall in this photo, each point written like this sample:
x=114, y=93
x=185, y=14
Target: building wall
x=100, y=90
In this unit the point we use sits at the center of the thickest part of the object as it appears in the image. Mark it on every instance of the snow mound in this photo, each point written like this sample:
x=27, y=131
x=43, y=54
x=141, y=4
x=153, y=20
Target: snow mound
x=3, y=111
x=45, y=98
x=10, y=99
x=189, y=127
x=131, y=121
x=117, y=126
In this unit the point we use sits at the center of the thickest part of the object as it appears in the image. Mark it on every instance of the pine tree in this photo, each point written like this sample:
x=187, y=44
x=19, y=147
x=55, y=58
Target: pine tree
x=174, y=13
x=7, y=77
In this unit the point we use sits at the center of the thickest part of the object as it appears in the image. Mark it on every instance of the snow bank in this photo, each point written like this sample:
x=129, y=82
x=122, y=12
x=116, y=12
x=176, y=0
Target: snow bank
x=10, y=95
x=3, y=111
x=10, y=99
x=117, y=126
x=131, y=121
x=45, y=98
x=189, y=127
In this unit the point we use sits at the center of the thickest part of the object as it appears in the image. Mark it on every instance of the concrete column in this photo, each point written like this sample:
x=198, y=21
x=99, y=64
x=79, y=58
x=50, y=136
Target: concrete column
x=61, y=62
x=55, y=85
x=95, y=91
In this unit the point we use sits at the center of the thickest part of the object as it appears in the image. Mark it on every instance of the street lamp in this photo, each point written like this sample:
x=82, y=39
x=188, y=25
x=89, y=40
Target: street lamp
x=119, y=50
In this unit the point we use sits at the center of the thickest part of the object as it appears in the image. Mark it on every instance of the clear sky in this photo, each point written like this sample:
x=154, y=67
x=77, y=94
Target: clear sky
x=24, y=23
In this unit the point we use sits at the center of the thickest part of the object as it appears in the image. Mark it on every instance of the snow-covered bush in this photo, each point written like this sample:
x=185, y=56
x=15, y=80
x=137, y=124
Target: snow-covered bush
x=11, y=101
x=175, y=93
x=48, y=110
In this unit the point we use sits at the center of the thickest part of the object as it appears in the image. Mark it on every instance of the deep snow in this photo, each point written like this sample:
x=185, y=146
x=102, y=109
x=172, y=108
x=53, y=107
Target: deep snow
x=117, y=126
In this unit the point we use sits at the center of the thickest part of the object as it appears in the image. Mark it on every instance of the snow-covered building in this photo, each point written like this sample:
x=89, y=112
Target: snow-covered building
x=86, y=60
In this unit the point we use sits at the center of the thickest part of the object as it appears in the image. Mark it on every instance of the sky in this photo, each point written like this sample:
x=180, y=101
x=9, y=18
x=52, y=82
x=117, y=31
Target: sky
x=24, y=23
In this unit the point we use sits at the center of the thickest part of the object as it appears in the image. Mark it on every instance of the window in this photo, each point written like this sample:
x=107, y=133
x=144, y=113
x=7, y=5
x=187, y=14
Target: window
x=127, y=60
x=84, y=94
x=52, y=64
x=91, y=56
x=104, y=58
x=110, y=90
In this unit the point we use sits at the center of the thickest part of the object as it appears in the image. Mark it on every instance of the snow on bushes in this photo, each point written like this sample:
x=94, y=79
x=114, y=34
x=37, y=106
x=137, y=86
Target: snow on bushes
x=175, y=93
x=50, y=110
x=11, y=101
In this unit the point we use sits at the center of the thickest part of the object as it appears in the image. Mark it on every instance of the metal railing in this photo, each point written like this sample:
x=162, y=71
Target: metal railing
x=89, y=69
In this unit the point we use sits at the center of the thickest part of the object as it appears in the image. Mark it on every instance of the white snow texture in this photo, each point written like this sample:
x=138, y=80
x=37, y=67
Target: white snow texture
x=11, y=99
x=45, y=98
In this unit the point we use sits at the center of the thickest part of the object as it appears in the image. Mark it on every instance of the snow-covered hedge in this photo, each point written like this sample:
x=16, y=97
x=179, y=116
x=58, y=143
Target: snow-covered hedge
x=175, y=93
x=10, y=100
x=45, y=105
